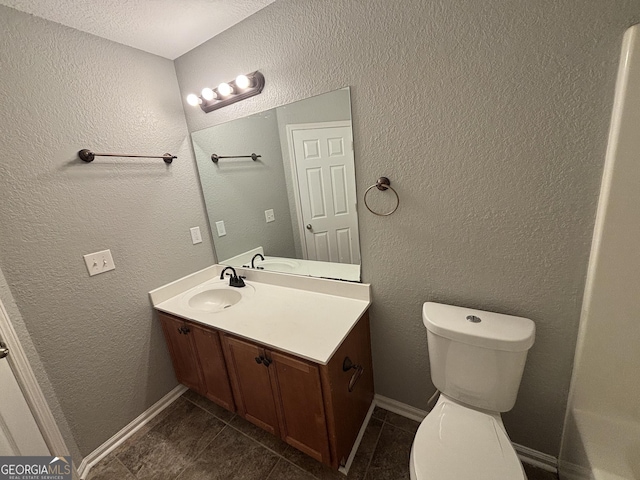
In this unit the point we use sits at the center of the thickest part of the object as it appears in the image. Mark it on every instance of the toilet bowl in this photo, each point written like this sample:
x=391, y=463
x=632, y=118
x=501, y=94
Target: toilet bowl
x=457, y=442
x=477, y=359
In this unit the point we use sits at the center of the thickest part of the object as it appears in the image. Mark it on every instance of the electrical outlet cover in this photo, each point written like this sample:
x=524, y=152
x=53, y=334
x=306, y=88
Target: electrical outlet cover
x=221, y=230
x=196, y=236
x=269, y=215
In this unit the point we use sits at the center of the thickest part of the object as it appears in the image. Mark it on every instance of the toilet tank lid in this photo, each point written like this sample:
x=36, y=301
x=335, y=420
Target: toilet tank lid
x=478, y=327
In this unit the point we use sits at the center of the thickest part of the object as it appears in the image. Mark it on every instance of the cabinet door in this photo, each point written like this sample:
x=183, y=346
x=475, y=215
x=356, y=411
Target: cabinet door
x=299, y=395
x=179, y=340
x=251, y=383
x=214, y=369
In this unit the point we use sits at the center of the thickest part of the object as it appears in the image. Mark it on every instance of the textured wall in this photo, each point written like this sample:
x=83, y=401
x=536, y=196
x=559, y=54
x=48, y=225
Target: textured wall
x=491, y=120
x=238, y=191
x=60, y=91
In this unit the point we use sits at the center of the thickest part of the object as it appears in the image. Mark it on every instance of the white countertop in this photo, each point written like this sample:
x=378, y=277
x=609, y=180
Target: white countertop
x=307, y=317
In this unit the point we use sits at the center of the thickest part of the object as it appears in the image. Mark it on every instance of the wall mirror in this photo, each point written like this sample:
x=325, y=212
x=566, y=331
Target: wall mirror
x=294, y=201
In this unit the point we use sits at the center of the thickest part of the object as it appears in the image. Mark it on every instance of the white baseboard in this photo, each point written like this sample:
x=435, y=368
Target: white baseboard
x=114, y=442
x=400, y=408
x=537, y=459
x=526, y=454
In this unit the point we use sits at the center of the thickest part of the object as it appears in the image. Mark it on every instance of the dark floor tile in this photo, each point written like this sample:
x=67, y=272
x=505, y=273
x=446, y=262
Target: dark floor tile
x=361, y=461
x=534, y=473
x=231, y=455
x=110, y=470
x=315, y=468
x=404, y=423
x=390, y=460
x=379, y=413
x=213, y=408
x=259, y=435
x=139, y=434
x=288, y=471
x=173, y=443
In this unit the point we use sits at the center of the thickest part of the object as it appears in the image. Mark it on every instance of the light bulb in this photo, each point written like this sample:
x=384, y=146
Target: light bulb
x=225, y=89
x=193, y=100
x=208, y=94
x=242, y=81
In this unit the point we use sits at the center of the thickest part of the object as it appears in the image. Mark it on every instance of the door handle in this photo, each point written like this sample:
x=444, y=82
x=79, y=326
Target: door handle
x=309, y=227
x=4, y=351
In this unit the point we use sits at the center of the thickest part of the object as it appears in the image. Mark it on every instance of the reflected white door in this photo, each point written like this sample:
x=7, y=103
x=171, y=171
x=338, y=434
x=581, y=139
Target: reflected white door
x=19, y=433
x=326, y=181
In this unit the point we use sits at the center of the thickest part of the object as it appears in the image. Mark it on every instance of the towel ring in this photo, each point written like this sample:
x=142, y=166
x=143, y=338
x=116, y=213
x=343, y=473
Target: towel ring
x=382, y=184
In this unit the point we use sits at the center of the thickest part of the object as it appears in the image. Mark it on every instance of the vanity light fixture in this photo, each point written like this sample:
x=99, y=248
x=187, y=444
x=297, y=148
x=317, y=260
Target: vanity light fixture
x=194, y=100
x=208, y=94
x=244, y=86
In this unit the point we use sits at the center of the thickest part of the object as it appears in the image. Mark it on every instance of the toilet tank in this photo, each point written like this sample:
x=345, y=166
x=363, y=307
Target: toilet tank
x=477, y=357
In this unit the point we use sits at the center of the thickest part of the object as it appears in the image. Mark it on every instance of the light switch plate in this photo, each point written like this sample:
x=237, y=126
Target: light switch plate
x=99, y=262
x=221, y=230
x=269, y=215
x=196, y=236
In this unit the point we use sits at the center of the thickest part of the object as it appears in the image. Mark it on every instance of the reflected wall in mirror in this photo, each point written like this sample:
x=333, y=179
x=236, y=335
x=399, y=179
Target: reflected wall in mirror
x=296, y=203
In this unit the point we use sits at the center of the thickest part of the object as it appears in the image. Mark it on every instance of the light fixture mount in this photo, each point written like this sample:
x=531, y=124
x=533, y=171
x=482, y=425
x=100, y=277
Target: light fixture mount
x=256, y=84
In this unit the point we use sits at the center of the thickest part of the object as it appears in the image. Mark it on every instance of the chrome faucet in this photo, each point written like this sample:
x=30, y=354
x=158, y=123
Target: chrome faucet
x=254, y=259
x=234, y=279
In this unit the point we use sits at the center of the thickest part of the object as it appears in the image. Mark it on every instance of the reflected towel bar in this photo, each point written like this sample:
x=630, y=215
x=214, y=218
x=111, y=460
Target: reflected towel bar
x=253, y=156
x=87, y=155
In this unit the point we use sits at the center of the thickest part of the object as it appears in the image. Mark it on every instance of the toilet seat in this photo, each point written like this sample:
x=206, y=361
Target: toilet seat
x=455, y=442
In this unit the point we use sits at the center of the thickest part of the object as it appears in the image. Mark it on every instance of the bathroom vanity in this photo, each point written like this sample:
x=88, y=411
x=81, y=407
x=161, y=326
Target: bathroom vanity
x=289, y=354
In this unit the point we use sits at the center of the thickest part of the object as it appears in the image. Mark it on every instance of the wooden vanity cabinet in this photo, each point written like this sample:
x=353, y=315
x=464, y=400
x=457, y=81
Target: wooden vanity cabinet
x=347, y=394
x=315, y=408
x=319, y=409
x=197, y=359
x=279, y=393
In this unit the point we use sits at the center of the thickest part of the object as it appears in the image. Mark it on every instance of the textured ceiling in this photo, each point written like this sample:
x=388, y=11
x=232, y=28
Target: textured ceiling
x=167, y=28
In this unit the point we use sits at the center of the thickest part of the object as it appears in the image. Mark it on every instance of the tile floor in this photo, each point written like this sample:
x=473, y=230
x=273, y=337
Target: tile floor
x=194, y=439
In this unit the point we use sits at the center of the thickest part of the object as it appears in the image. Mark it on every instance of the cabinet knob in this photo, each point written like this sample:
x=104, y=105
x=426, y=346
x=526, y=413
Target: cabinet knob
x=258, y=359
x=266, y=362
x=180, y=330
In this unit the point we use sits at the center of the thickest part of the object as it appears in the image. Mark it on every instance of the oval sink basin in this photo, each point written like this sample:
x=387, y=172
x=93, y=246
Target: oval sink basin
x=215, y=296
x=215, y=299
x=280, y=265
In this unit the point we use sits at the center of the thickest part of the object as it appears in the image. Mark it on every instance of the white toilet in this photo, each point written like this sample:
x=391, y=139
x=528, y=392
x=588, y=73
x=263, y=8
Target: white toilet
x=477, y=359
